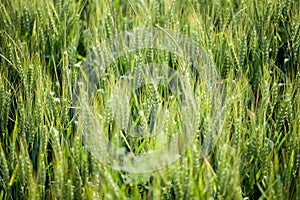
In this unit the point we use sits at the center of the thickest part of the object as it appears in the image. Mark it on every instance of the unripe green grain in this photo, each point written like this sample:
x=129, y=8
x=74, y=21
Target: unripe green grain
x=4, y=107
x=125, y=24
x=26, y=20
x=109, y=26
x=85, y=168
x=265, y=50
x=68, y=192
x=51, y=21
x=42, y=172
x=22, y=172
x=274, y=95
x=143, y=122
x=58, y=7
x=177, y=184
x=77, y=182
x=243, y=51
x=112, y=184
x=235, y=60
x=4, y=166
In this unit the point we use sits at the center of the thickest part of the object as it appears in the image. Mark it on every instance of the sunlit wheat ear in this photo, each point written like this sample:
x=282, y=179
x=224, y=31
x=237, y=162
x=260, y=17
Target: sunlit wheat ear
x=26, y=20
x=52, y=21
x=235, y=58
x=125, y=24
x=41, y=173
x=58, y=5
x=265, y=50
x=274, y=96
x=109, y=26
x=68, y=192
x=4, y=166
x=109, y=114
x=119, y=101
x=5, y=101
x=243, y=51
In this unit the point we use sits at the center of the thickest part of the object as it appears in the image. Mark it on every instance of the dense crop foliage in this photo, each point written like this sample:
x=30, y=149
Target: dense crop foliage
x=255, y=46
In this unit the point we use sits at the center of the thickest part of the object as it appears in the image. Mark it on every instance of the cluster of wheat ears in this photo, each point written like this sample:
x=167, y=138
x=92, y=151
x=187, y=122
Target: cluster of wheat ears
x=254, y=45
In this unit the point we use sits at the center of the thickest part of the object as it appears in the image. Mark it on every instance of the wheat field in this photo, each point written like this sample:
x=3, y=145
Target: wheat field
x=253, y=45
